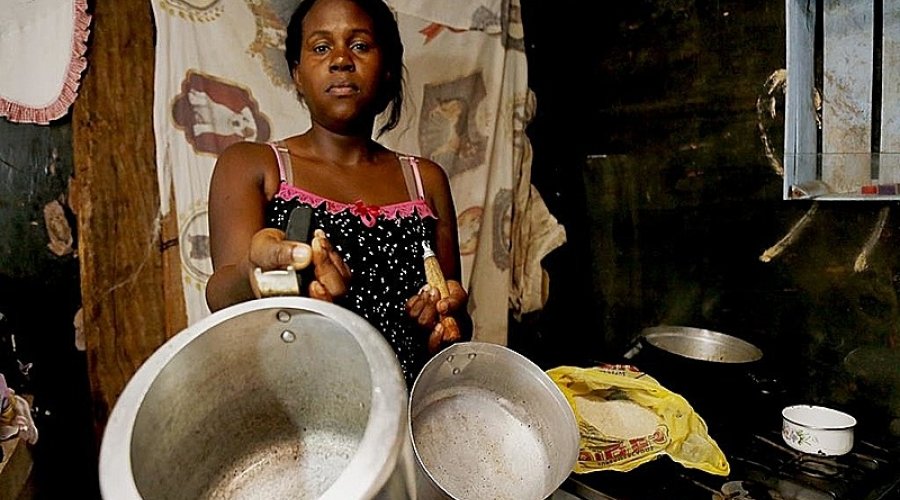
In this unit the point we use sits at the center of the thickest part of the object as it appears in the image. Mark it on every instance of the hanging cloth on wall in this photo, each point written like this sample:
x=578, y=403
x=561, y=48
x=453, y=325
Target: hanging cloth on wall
x=220, y=78
x=42, y=46
x=470, y=105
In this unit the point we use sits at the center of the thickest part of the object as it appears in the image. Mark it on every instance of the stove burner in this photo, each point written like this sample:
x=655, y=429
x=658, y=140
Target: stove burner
x=816, y=468
x=733, y=490
x=762, y=468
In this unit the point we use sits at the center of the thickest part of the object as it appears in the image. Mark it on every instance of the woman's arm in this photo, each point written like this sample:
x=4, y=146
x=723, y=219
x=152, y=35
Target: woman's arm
x=244, y=179
x=427, y=304
x=440, y=199
x=237, y=198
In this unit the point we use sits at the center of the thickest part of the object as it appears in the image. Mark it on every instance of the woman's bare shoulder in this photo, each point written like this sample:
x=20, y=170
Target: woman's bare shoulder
x=426, y=167
x=248, y=154
x=244, y=162
x=247, y=159
x=433, y=175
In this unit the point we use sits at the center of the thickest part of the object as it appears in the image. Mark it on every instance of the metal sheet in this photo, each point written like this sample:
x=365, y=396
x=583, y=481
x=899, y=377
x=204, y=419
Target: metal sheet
x=847, y=94
x=800, y=146
x=889, y=171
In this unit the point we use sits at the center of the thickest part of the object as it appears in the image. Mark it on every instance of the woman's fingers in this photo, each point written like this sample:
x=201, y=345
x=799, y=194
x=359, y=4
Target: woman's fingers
x=340, y=266
x=318, y=291
x=269, y=250
x=332, y=272
x=450, y=330
x=457, y=299
x=415, y=304
x=423, y=307
x=445, y=332
x=435, y=339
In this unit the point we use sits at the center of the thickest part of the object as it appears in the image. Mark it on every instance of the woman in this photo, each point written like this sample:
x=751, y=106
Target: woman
x=372, y=208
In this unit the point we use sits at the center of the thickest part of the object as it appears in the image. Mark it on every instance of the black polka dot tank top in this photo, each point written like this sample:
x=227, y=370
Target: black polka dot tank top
x=382, y=246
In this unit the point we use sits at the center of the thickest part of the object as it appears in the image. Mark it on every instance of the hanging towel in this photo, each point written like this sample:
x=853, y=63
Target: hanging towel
x=42, y=45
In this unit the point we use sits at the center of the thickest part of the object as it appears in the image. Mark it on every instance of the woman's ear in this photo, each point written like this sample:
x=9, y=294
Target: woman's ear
x=295, y=75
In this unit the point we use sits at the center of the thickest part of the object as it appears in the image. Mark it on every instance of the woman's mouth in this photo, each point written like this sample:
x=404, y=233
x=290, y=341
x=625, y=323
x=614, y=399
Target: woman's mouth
x=342, y=89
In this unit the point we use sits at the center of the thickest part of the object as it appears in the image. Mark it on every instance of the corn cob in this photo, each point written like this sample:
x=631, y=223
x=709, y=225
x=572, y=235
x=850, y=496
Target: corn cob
x=435, y=278
x=433, y=274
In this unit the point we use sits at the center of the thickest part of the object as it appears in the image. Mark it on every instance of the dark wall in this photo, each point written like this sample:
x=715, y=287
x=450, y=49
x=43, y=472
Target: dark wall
x=39, y=297
x=649, y=149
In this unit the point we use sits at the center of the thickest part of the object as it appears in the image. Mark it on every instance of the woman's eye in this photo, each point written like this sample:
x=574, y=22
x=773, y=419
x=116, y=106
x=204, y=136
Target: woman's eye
x=320, y=49
x=360, y=46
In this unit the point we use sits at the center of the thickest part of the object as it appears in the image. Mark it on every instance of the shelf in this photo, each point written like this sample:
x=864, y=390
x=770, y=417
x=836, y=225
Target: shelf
x=842, y=103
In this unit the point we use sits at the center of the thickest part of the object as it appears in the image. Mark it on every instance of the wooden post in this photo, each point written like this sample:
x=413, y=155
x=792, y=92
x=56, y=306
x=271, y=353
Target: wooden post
x=124, y=284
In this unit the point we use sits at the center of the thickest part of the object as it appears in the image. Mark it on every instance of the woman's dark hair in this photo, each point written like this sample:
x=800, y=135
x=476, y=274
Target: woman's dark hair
x=387, y=35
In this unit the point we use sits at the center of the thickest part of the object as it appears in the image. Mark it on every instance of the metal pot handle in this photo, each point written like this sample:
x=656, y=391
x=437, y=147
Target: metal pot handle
x=634, y=347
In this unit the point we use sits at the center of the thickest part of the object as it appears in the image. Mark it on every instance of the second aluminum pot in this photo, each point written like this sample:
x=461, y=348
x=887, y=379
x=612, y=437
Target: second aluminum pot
x=722, y=376
x=701, y=345
x=488, y=423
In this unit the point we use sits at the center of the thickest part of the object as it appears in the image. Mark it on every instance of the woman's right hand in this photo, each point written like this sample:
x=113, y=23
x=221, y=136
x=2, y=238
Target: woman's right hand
x=270, y=250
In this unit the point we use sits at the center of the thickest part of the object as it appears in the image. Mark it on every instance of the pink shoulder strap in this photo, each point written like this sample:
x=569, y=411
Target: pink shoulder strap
x=413, y=179
x=284, y=161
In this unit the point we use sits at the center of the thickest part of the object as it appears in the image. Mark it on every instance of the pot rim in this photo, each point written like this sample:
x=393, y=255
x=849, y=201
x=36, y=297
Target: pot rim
x=388, y=394
x=755, y=353
x=820, y=409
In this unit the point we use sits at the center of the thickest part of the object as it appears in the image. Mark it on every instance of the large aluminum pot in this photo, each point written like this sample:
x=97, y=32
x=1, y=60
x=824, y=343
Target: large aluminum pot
x=720, y=375
x=488, y=423
x=275, y=398
x=701, y=344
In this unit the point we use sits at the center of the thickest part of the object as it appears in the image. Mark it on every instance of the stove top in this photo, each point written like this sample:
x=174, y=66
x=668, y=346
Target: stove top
x=747, y=427
x=762, y=467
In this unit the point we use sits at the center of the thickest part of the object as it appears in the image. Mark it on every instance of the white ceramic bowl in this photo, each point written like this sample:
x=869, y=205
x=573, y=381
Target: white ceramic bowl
x=816, y=429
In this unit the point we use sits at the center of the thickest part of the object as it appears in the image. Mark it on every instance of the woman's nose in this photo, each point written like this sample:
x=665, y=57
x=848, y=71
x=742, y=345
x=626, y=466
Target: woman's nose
x=341, y=61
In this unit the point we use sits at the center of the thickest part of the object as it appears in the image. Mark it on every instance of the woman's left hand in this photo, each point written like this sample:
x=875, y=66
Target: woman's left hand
x=332, y=276
x=438, y=315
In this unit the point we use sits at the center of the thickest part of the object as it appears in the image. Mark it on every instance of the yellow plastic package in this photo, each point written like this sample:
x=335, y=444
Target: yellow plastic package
x=627, y=418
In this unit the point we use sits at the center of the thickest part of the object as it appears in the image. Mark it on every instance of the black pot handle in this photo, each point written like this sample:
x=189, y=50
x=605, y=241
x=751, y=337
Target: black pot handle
x=766, y=385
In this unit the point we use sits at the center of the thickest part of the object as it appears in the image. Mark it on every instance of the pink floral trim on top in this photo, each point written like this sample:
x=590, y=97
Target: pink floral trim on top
x=367, y=213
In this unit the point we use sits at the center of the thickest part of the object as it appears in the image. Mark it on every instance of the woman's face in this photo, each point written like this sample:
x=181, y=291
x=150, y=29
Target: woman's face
x=340, y=69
